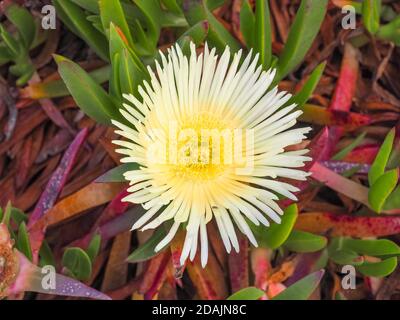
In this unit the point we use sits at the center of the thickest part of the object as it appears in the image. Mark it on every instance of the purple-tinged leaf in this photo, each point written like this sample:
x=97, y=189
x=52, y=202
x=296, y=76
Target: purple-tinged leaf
x=113, y=227
x=52, y=191
x=343, y=166
x=35, y=279
x=58, y=179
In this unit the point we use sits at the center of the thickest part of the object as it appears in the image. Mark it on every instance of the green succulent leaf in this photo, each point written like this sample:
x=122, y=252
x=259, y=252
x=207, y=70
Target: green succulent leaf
x=196, y=34
x=302, y=289
x=46, y=255
x=378, y=269
x=5, y=217
x=390, y=31
x=116, y=174
x=247, y=24
x=263, y=42
x=118, y=45
x=346, y=256
x=172, y=5
x=94, y=247
x=371, y=10
x=146, y=250
x=275, y=235
x=76, y=20
x=300, y=241
x=88, y=94
x=23, y=243
x=346, y=150
x=114, y=83
x=381, y=159
x=250, y=293
x=78, y=263
x=393, y=200
x=130, y=74
x=18, y=216
x=306, y=91
x=301, y=36
x=89, y=5
x=23, y=20
x=12, y=44
x=381, y=247
x=382, y=188
x=112, y=12
x=218, y=37
x=339, y=254
x=149, y=33
x=5, y=54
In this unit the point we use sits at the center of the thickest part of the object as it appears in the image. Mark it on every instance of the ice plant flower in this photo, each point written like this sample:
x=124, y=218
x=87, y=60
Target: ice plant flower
x=209, y=137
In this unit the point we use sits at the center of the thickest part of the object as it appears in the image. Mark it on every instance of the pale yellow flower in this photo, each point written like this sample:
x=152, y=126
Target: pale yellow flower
x=181, y=176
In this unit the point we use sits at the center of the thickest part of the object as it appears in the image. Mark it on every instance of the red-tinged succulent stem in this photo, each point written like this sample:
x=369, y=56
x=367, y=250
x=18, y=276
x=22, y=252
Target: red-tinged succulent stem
x=339, y=183
x=345, y=89
x=347, y=82
x=345, y=225
x=261, y=266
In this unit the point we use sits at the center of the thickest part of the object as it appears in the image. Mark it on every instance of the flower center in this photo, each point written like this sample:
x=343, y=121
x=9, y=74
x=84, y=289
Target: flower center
x=202, y=147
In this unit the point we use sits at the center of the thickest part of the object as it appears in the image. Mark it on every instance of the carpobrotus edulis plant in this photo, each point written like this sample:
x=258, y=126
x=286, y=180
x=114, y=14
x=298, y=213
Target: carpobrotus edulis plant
x=209, y=136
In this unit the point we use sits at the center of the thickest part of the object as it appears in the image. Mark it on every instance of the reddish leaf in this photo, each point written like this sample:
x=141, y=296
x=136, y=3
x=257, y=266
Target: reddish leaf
x=239, y=265
x=340, y=184
x=154, y=275
x=363, y=154
x=51, y=192
x=209, y=280
x=347, y=82
x=58, y=179
x=261, y=266
x=176, y=251
x=345, y=225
